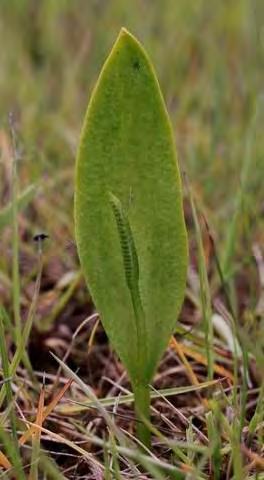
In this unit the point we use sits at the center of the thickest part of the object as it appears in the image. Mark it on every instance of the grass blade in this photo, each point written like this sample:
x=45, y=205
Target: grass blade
x=15, y=236
x=36, y=434
x=205, y=293
x=23, y=200
x=129, y=398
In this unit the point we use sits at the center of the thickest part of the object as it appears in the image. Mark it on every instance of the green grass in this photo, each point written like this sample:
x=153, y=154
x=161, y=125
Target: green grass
x=208, y=57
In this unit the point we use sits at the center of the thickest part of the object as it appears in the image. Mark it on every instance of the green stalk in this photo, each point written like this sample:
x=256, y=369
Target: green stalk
x=237, y=459
x=259, y=413
x=212, y=420
x=142, y=410
x=232, y=239
x=49, y=467
x=7, y=386
x=15, y=238
x=140, y=388
x=205, y=293
x=15, y=246
x=22, y=344
x=13, y=454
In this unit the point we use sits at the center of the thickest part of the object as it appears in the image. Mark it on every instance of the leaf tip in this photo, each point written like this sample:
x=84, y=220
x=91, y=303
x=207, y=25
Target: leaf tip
x=124, y=32
x=126, y=36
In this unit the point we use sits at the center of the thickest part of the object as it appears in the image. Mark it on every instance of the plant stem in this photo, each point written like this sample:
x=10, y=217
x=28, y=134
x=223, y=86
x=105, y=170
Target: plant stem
x=15, y=237
x=205, y=293
x=8, y=388
x=142, y=410
x=141, y=388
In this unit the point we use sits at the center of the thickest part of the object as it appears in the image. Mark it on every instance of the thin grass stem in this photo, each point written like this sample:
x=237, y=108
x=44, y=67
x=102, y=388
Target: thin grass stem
x=15, y=236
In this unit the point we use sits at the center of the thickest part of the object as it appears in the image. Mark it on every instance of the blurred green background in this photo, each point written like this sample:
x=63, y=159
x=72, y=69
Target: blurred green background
x=209, y=58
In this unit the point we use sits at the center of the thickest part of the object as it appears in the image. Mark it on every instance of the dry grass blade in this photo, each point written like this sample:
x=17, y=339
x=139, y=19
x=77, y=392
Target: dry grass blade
x=194, y=380
x=133, y=454
x=47, y=410
x=36, y=434
x=76, y=333
x=4, y=462
x=88, y=391
x=61, y=440
x=203, y=361
x=253, y=456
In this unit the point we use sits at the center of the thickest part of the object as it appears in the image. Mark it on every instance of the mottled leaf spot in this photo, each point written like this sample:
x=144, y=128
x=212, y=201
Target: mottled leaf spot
x=136, y=65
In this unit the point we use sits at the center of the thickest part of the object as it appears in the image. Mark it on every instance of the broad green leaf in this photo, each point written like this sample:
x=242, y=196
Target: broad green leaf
x=130, y=227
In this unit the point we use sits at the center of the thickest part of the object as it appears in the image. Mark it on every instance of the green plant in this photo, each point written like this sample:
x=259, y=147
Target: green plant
x=130, y=227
